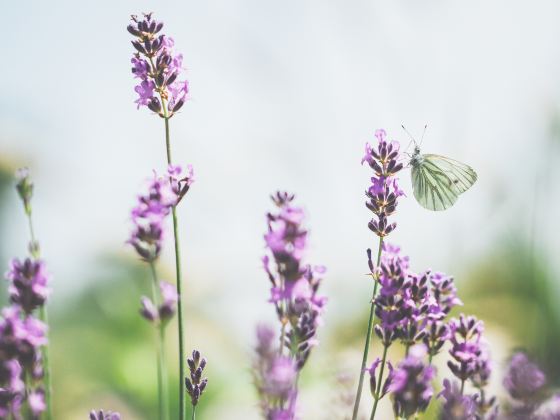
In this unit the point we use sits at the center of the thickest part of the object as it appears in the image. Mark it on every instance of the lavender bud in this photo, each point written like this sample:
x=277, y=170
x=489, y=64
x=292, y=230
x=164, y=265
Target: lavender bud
x=196, y=385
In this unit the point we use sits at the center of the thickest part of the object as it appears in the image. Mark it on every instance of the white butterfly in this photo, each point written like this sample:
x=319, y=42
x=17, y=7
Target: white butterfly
x=437, y=181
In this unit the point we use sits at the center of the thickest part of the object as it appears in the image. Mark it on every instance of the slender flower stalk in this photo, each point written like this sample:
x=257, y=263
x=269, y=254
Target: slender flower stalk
x=163, y=395
x=160, y=89
x=382, y=197
x=298, y=306
x=29, y=288
x=148, y=216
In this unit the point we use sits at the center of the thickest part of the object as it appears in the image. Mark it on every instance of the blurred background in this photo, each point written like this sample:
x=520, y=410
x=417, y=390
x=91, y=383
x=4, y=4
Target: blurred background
x=284, y=95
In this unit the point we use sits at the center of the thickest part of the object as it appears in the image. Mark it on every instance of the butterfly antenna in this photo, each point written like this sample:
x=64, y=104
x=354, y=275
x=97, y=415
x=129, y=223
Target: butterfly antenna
x=424, y=132
x=409, y=135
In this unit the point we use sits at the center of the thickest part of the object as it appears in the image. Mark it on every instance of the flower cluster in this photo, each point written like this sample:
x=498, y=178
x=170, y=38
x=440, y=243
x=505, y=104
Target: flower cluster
x=471, y=361
x=466, y=350
x=412, y=307
x=410, y=383
x=28, y=284
x=299, y=307
x=384, y=191
x=152, y=208
x=456, y=406
x=526, y=384
x=295, y=286
x=196, y=384
x=157, y=67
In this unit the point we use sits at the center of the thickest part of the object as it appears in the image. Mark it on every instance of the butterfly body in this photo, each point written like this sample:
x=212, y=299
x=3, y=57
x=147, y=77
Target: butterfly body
x=437, y=181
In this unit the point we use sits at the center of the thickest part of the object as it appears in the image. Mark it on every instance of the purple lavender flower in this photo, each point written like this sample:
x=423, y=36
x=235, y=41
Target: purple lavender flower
x=157, y=67
x=281, y=377
x=275, y=378
x=456, y=406
x=148, y=217
x=523, y=380
x=486, y=407
x=392, y=301
x=295, y=286
x=466, y=334
x=101, y=415
x=28, y=286
x=21, y=339
x=196, y=384
x=411, y=383
x=372, y=371
x=384, y=192
x=445, y=294
x=180, y=182
x=163, y=193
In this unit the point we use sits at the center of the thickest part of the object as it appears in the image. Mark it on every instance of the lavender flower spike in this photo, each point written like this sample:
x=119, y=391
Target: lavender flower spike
x=411, y=383
x=456, y=406
x=158, y=68
x=28, y=286
x=523, y=380
x=196, y=384
x=384, y=191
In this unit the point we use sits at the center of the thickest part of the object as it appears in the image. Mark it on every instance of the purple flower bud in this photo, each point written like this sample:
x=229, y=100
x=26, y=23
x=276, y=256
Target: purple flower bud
x=169, y=300
x=523, y=379
x=148, y=310
x=29, y=281
x=195, y=384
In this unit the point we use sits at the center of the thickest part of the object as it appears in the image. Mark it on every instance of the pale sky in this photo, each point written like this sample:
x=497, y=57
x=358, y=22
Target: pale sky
x=284, y=96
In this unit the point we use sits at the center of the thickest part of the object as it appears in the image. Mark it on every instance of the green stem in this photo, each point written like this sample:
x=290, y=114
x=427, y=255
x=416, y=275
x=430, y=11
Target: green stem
x=368, y=338
x=193, y=412
x=182, y=393
x=462, y=386
x=182, y=396
x=163, y=399
x=377, y=396
x=44, y=317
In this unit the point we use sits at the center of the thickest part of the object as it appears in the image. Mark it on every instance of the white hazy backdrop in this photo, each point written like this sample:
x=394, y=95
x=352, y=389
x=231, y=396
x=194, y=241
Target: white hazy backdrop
x=284, y=95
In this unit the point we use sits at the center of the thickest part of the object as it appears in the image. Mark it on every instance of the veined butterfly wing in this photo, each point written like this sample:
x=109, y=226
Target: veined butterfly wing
x=438, y=181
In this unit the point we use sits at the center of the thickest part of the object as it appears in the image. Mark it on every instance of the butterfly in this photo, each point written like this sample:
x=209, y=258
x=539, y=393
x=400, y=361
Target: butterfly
x=437, y=181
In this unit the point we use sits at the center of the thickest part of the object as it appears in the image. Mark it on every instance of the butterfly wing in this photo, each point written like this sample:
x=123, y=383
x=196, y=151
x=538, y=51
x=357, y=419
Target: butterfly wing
x=438, y=181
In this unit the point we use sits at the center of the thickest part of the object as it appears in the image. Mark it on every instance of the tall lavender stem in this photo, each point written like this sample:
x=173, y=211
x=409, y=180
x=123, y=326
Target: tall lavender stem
x=179, y=280
x=368, y=337
x=182, y=397
x=43, y=316
x=163, y=393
